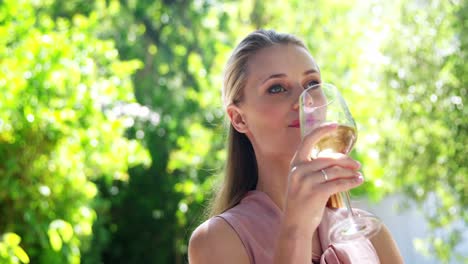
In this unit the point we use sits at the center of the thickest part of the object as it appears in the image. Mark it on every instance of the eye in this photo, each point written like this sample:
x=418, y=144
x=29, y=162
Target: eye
x=312, y=83
x=276, y=88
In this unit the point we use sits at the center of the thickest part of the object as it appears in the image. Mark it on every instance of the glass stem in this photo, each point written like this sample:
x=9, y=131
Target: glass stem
x=347, y=201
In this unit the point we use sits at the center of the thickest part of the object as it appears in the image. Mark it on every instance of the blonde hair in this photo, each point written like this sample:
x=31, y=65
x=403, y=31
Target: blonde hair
x=241, y=172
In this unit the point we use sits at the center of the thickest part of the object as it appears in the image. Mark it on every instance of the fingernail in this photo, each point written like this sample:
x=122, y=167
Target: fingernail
x=360, y=178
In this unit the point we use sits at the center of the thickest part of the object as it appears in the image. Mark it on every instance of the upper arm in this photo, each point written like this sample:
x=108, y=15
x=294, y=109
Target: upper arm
x=215, y=241
x=386, y=247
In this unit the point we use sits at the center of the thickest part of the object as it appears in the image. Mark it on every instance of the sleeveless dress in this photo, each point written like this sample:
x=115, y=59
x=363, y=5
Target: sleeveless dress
x=256, y=220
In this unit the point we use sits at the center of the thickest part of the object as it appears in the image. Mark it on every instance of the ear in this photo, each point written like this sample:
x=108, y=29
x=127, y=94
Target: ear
x=237, y=118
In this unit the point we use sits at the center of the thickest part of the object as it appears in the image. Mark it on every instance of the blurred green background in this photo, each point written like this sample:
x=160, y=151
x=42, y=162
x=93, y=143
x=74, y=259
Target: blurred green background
x=112, y=130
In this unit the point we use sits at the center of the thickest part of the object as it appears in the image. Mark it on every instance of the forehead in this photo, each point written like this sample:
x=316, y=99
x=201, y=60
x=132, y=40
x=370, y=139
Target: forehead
x=280, y=58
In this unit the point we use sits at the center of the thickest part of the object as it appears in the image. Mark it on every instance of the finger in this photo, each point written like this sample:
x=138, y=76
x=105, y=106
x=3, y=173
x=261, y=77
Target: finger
x=324, y=175
x=336, y=173
x=303, y=174
x=343, y=184
x=337, y=159
x=303, y=152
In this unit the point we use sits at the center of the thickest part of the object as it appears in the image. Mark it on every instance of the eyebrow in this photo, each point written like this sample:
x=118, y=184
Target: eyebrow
x=281, y=75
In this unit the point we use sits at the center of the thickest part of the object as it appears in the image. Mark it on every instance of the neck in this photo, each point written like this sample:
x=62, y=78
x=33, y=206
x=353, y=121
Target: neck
x=273, y=177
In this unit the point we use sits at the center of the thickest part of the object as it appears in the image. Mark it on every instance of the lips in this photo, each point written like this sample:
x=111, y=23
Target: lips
x=295, y=123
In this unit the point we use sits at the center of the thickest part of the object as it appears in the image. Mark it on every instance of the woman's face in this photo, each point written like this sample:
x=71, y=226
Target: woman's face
x=276, y=76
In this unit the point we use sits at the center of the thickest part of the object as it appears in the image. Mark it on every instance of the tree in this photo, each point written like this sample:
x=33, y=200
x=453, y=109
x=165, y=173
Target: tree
x=58, y=131
x=179, y=42
x=133, y=74
x=425, y=79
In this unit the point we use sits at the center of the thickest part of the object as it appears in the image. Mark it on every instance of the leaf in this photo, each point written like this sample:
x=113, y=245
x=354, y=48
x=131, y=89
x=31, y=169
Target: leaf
x=54, y=239
x=11, y=239
x=66, y=232
x=21, y=254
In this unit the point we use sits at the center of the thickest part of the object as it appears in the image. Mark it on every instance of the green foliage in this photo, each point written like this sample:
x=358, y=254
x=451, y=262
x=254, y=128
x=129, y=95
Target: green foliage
x=183, y=47
x=426, y=81
x=72, y=133
x=56, y=136
x=10, y=250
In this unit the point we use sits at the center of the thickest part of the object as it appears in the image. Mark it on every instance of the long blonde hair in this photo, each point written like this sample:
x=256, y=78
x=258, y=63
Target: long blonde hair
x=241, y=172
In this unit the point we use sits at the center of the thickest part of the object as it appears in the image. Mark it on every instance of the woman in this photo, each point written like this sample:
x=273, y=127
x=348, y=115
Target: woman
x=272, y=207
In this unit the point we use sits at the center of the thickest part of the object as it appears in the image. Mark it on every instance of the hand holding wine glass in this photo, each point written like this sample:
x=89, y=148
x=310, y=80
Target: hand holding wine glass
x=323, y=103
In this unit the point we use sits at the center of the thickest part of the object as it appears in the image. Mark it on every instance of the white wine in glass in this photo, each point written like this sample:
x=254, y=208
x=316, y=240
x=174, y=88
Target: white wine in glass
x=340, y=140
x=323, y=103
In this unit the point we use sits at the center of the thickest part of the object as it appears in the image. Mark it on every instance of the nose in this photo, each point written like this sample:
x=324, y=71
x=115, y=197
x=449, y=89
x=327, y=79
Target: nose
x=296, y=105
x=297, y=93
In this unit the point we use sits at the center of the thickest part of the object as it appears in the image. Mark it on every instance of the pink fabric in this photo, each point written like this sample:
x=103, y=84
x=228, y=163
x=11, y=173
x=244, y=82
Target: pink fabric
x=357, y=251
x=256, y=220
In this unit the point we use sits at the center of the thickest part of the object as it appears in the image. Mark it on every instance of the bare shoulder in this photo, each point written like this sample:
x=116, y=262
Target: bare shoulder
x=215, y=241
x=386, y=247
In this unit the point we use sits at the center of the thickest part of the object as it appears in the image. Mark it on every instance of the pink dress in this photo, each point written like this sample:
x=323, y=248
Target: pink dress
x=256, y=220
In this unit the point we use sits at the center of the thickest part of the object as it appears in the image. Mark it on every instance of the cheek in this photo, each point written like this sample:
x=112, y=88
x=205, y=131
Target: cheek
x=264, y=117
x=268, y=118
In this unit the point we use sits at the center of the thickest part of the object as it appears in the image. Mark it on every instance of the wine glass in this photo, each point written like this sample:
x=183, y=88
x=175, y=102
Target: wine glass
x=323, y=103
